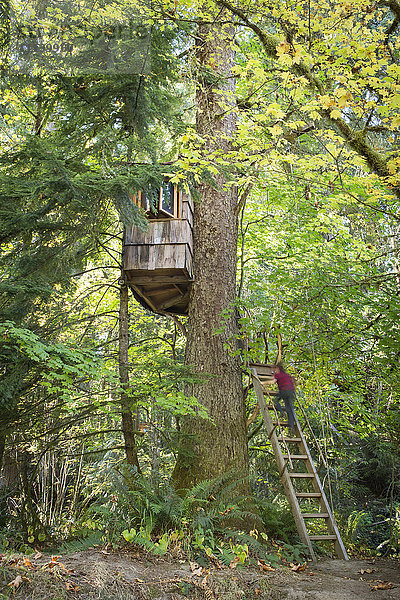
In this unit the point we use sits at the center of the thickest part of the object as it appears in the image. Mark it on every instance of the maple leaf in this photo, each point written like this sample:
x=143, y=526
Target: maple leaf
x=275, y=130
x=335, y=113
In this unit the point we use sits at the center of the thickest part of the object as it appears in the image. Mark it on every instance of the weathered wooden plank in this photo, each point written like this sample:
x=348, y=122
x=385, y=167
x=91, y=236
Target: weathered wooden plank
x=158, y=279
x=189, y=261
x=139, y=291
x=149, y=257
x=178, y=300
x=263, y=370
x=308, y=494
x=160, y=231
x=153, y=292
x=296, y=456
x=187, y=210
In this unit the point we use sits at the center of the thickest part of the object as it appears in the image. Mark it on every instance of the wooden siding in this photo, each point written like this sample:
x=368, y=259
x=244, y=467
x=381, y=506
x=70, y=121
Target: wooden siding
x=165, y=231
x=150, y=257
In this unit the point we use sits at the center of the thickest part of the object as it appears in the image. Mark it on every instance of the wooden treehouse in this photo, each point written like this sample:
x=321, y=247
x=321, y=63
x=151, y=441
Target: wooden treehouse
x=158, y=262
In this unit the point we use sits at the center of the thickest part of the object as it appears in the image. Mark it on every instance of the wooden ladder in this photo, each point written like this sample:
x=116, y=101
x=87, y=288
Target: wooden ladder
x=296, y=469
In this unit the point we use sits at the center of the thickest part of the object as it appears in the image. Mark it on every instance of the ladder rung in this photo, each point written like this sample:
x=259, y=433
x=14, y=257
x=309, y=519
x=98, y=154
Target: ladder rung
x=308, y=495
x=309, y=475
x=315, y=515
x=288, y=439
x=296, y=456
x=315, y=538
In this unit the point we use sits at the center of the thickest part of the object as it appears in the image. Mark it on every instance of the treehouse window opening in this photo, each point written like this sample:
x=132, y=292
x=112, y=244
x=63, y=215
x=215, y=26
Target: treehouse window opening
x=160, y=203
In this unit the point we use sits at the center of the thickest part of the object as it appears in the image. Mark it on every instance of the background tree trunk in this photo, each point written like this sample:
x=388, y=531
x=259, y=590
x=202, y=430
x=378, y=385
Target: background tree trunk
x=219, y=445
x=128, y=418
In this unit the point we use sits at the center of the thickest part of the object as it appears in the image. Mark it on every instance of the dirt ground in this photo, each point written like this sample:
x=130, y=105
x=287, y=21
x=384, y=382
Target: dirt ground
x=97, y=574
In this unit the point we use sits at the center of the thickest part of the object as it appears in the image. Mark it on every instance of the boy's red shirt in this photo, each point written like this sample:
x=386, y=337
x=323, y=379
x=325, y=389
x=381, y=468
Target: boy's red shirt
x=284, y=381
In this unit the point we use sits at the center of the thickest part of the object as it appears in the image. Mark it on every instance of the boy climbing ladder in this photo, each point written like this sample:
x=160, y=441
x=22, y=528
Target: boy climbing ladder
x=287, y=392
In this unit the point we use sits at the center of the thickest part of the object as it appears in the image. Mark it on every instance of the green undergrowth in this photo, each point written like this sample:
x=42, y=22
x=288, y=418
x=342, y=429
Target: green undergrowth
x=200, y=524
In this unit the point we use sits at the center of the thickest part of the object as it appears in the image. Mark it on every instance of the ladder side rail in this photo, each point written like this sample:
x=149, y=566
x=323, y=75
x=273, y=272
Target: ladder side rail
x=289, y=457
x=287, y=484
x=325, y=507
x=312, y=433
x=268, y=420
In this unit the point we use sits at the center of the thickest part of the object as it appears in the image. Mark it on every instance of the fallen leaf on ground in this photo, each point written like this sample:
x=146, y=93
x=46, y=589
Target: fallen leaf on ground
x=233, y=564
x=298, y=568
x=382, y=586
x=263, y=566
x=15, y=583
x=257, y=591
x=71, y=587
x=137, y=580
x=195, y=568
x=27, y=563
x=52, y=563
x=366, y=571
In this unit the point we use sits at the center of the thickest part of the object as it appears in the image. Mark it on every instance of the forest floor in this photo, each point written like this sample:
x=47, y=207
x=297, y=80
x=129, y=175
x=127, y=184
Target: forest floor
x=120, y=575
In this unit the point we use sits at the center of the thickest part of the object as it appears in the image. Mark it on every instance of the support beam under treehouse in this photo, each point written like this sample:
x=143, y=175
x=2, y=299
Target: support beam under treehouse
x=158, y=262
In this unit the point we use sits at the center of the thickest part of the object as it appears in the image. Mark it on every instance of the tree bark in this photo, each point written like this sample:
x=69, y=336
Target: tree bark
x=218, y=445
x=128, y=417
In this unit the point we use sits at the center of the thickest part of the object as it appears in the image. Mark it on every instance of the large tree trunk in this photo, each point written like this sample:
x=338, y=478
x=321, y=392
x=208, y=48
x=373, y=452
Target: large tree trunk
x=128, y=417
x=219, y=445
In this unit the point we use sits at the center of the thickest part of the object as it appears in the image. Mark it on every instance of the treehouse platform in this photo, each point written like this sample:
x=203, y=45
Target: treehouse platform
x=158, y=262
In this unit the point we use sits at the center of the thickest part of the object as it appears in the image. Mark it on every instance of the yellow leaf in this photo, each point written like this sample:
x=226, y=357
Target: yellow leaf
x=286, y=60
x=275, y=110
x=395, y=123
x=297, y=55
x=275, y=130
x=282, y=48
x=335, y=113
x=326, y=101
x=395, y=100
